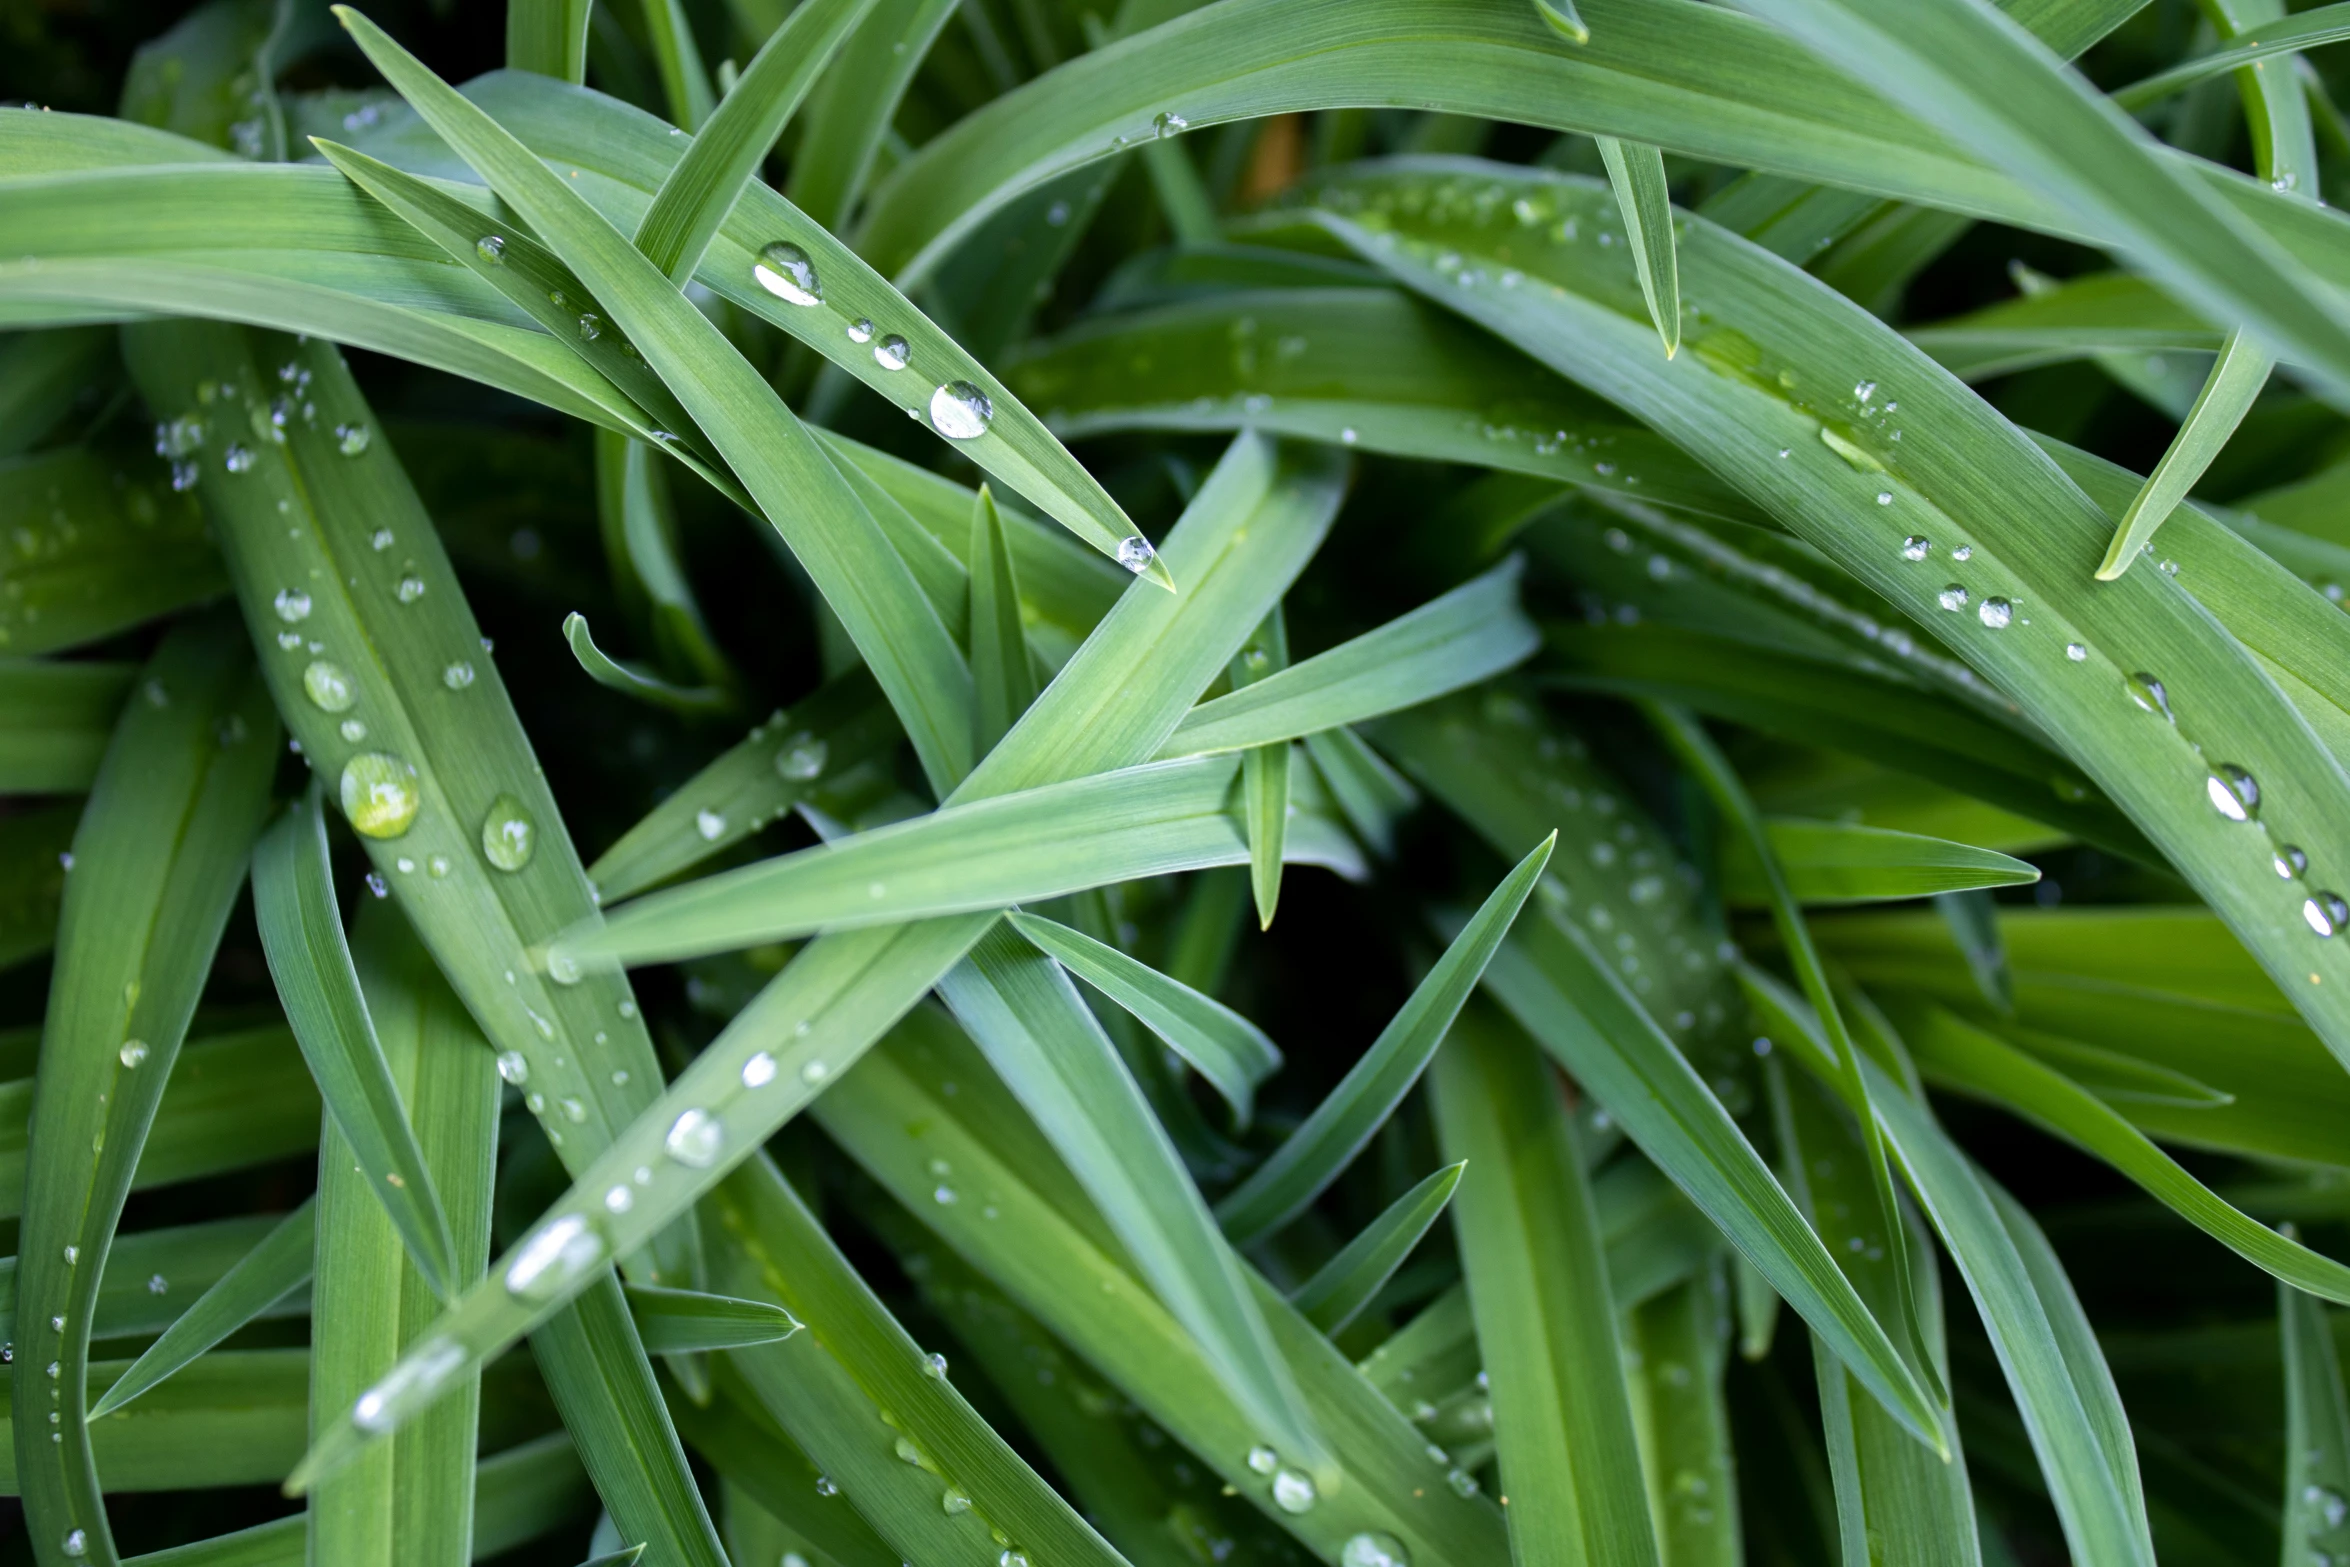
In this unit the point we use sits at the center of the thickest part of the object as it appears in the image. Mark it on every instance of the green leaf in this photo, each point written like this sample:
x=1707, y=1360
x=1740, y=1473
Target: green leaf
x=2323, y=24
x=158, y=862
x=730, y=145
x=1564, y=19
x=854, y=105
x=1035, y=1031
x=35, y=848
x=302, y=931
x=1637, y=172
x=1538, y=1287
x=1232, y=1053
x=1973, y=918
x=548, y=36
x=635, y=681
x=1343, y=1286
x=1319, y=1150
x=677, y=60
x=106, y=546
x=273, y=1269
x=1264, y=770
x=678, y=1322
x=2226, y=397
x=1002, y=672
x=1677, y=1342
x=2317, y=1425
x=639, y=524
x=41, y=373
x=1468, y=635
x=828, y=528
x=1372, y=794
x=57, y=723
x=1845, y=862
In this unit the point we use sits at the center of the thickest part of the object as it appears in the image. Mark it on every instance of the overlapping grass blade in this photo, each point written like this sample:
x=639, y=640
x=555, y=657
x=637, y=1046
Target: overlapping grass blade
x=277, y=1265
x=1846, y=862
x=1538, y=1287
x=103, y=547
x=1343, y=1286
x=548, y=36
x=1320, y=1149
x=639, y=524
x=1002, y=672
x=1636, y=170
x=411, y=1501
x=42, y=373
x=1728, y=406
x=729, y=146
x=1264, y=769
x=2317, y=1424
x=634, y=680
x=679, y=1322
x=309, y=958
x=2226, y=397
x=797, y=488
x=1459, y=639
x=234, y=1417
x=158, y=862
x=1233, y=1054
x=677, y=61
x=855, y=104
x=189, y=1258
x=1678, y=1345
x=58, y=718
x=2323, y=24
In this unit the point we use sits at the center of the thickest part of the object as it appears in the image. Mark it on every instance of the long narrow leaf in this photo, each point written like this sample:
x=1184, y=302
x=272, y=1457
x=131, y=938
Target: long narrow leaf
x=1637, y=171
x=273, y=1269
x=1344, y=1285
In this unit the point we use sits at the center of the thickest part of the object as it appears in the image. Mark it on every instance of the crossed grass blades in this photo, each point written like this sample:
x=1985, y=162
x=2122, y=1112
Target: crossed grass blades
x=1404, y=784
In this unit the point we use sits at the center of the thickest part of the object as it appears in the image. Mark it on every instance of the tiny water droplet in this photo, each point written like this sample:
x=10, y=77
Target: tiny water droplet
x=1293, y=1491
x=814, y=1072
x=1263, y=1460
x=380, y=794
x=508, y=835
x=73, y=1254
x=759, y=1071
x=457, y=676
x=292, y=605
x=513, y=1068
x=591, y=326
x=491, y=248
x=1995, y=612
x=238, y=459
x=1169, y=124
x=1135, y=553
x=694, y=1139
x=1884, y=497
x=376, y=885
x=1953, y=597
x=802, y=758
x=409, y=589
x=960, y=411
x=934, y=1365
x=2291, y=861
x=76, y=1543
x=1462, y=1482
x=709, y=824
x=860, y=330
x=2233, y=792
x=784, y=270
x=2148, y=693
x=1916, y=547
x=825, y=1486
x=954, y=1502
x=1373, y=1549
x=353, y=439
x=2075, y=652
x=132, y=1053
x=891, y=352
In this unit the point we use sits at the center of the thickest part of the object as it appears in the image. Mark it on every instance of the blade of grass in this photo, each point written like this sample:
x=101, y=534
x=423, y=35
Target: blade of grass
x=1320, y=1149
x=1264, y=770
x=107, y=545
x=677, y=60
x=675, y=1322
x=548, y=36
x=1538, y=1288
x=58, y=718
x=310, y=960
x=1372, y=794
x=1845, y=862
x=639, y=525
x=2308, y=29
x=634, y=680
x=1001, y=670
x=1678, y=1343
x=853, y=106
x=1233, y=1054
x=1636, y=171
x=277, y=1266
x=730, y=145
x=1343, y=1286
x=158, y=860
x=188, y=1258
x=2317, y=1425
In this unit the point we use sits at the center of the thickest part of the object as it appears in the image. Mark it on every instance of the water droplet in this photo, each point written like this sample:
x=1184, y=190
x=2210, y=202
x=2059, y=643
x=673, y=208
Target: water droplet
x=2075, y=652
x=1169, y=124
x=1462, y=1482
x=353, y=439
x=132, y=1053
x=2326, y=912
x=802, y=758
x=1012, y=1558
x=907, y=1452
x=409, y=589
x=825, y=1486
x=353, y=730
x=380, y=794
x=954, y=1502
x=1916, y=547
x=292, y=605
x=1135, y=553
x=2234, y=793
x=960, y=411
x=814, y=1072
x=438, y=866
x=575, y=1111
x=558, y=1252
x=1995, y=612
x=513, y=1068
x=891, y=352
x=328, y=686
x=238, y=459
x=1953, y=597
x=157, y=1284
x=860, y=330
x=1263, y=1460
x=76, y=1543
x=1884, y=497
x=694, y=1139
x=1293, y=1491
x=591, y=326
x=1372, y=1549
x=619, y=1200
x=759, y=1071
x=945, y=1196
x=1864, y=392
x=491, y=248
x=2291, y=861
x=784, y=270
x=508, y=835
x=709, y=824
x=408, y=1385
x=377, y=886
x=2148, y=693
x=934, y=1365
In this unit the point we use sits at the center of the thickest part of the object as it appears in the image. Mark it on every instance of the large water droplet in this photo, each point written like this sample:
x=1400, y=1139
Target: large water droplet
x=1953, y=597
x=132, y=1053
x=2148, y=693
x=1373, y=1549
x=954, y=1502
x=759, y=1071
x=960, y=411
x=694, y=1139
x=508, y=835
x=784, y=270
x=1995, y=612
x=457, y=676
x=513, y=1068
x=380, y=794
x=2326, y=912
x=1293, y=1491
x=292, y=605
x=558, y=1252
x=2291, y=861
x=1263, y=1460
x=329, y=686
x=860, y=330
x=491, y=248
x=802, y=758
x=1916, y=547
x=2234, y=793
x=891, y=352
x=1135, y=553
x=709, y=824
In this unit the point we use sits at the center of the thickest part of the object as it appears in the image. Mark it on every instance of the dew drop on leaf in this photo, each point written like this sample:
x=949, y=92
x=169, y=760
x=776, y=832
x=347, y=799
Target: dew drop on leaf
x=784, y=270
x=508, y=835
x=960, y=411
x=379, y=793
